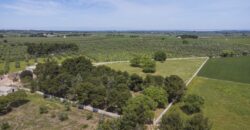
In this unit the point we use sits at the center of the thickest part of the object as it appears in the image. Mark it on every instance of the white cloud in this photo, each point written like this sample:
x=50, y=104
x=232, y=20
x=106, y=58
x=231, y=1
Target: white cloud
x=34, y=7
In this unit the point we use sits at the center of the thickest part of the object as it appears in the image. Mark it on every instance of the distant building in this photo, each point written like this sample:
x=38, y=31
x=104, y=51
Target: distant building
x=5, y=90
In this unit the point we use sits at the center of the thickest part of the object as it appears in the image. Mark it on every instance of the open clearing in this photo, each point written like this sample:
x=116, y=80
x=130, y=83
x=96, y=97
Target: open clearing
x=27, y=116
x=184, y=68
x=226, y=103
x=232, y=69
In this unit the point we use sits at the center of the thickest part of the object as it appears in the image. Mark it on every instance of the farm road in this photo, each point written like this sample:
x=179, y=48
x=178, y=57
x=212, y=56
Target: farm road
x=187, y=83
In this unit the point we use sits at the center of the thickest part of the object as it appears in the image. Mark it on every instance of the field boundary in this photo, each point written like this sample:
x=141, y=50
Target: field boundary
x=187, y=83
x=224, y=80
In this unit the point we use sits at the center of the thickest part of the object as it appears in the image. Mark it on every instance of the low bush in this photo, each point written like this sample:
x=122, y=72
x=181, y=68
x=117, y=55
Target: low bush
x=5, y=126
x=63, y=116
x=89, y=116
x=43, y=109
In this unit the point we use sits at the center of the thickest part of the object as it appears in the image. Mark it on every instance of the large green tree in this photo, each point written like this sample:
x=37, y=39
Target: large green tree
x=139, y=110
x=135, y=83
x=175, y=87
x=160, y=56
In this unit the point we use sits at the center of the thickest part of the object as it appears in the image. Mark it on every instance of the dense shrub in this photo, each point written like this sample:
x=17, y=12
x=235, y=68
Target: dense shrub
x=192, y=104
x=136, y=61
x=184, y=42
x=89, y=116
x=43, y=109
x=227, y=53
x=26, y=74
x=245, y=53
x=63, y=116
x=12, y=100
x=148, y=65
x=67, y=107
x=198, y=122
x=5, y=126
x=172, y=121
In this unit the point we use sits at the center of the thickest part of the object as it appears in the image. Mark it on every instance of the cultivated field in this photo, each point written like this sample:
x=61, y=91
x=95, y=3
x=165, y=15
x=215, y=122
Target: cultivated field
x=27, y=116
x=184, y=68
x=226, y=103
x=232, y=69
x=108, y=48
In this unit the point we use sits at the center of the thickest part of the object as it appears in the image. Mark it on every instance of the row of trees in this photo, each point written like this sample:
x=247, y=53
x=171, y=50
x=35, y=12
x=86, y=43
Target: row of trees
x=231, y=53
x=50, y=48
x=188, y=36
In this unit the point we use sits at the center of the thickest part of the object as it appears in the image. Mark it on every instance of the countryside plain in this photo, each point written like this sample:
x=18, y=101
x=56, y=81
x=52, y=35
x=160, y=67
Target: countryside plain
x=115, y=72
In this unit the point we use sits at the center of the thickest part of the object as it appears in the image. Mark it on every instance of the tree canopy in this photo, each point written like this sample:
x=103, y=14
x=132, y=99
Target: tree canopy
x=192, y=104
x=175, y=87
x=160, y=56
x=158, y=94
x=172, y=121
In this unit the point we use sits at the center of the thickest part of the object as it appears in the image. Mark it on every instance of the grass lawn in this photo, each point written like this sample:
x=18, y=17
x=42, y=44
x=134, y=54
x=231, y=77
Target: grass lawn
x=27, y=116
x=226, y=103
x=184, y=68
x=232, y=69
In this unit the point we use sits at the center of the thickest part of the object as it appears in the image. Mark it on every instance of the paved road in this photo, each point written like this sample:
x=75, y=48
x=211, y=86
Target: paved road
x=158, y=119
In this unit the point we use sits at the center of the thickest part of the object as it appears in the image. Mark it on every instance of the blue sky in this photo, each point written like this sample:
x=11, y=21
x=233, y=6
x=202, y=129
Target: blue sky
x=125, y=14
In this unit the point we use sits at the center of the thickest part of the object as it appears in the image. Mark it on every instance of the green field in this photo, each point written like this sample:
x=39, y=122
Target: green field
x=184, y=68
x=232, y=69
x=27, y=116
x=226, y=103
